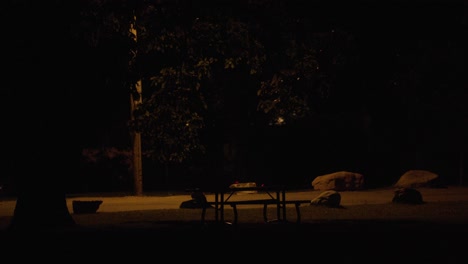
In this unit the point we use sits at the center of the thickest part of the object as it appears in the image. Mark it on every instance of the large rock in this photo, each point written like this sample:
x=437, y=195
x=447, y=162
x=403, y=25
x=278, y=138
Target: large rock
x=198, y=201
x=417, y=178
x=86, y=207
x=339, y=181
x=327, y=198
x=407, y=196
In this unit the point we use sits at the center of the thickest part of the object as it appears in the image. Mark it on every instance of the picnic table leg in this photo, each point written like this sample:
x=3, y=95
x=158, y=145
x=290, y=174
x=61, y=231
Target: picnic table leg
x=216, y=207
x=298, y=213
x=203, y=215
x=265, y=213
x=222, y=207
x=234, y=208
x=278, y=206
x=283, y=193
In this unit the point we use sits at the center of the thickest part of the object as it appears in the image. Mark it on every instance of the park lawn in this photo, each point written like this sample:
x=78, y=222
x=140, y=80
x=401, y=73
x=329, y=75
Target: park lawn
x=449, y=212
x=445, y=212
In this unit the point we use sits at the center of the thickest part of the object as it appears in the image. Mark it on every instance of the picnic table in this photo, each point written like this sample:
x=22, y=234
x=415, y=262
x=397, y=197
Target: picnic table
x=275, y=195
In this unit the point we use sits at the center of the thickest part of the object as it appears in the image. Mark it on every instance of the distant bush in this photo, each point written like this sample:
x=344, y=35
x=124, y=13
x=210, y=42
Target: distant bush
x=105, y=169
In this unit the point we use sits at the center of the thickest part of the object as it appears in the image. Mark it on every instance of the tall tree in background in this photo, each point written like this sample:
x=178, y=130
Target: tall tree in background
x=112, y=26
x=209, y=70
x=212, y=71
x=206, y=67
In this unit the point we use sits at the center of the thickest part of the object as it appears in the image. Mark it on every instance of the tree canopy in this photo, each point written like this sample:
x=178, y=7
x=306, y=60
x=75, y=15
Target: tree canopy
x=213, y=69
x=202, y=63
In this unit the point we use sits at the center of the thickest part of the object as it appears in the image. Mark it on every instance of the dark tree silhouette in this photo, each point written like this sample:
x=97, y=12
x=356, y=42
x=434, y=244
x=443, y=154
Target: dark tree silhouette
x=41, y=141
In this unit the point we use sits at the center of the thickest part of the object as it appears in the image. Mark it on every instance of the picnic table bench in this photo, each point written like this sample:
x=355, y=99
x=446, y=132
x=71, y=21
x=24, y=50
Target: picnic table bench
x=265, y=203
x=278, y=199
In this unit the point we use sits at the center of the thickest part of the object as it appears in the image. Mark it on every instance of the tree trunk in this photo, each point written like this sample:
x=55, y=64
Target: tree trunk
x=41, y=140
x=134, y=102
x=40, y=174
x=41, y=211
x=41, y=204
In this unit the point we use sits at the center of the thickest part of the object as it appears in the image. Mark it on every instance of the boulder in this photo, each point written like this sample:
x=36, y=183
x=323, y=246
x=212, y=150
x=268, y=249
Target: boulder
x=198, y=201
x=327, y=198
x=417, y=178
x=407, y=196
x=339, y=181
x=86, y=207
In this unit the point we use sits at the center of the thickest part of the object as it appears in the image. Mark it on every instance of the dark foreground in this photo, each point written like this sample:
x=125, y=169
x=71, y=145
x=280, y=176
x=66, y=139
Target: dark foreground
x=433, y=232
x=352, y=241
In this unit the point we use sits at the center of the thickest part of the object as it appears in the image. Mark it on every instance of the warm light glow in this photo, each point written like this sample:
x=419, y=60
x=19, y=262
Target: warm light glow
x=280, y=120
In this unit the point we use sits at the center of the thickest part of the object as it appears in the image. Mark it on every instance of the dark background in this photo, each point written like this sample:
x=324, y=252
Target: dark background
x=398, y=105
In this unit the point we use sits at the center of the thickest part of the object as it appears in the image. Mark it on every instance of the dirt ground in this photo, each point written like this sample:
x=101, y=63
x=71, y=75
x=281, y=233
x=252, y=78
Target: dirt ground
x=370, y=196
x=368, y=228
x=173, y=201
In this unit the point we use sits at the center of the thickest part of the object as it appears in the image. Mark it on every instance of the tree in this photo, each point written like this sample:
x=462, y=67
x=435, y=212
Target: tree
x=113, y=24
x=209, y=70
x=41, y=114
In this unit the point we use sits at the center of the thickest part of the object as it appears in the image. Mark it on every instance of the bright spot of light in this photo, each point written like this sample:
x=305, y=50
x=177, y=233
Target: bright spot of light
x=280, y=120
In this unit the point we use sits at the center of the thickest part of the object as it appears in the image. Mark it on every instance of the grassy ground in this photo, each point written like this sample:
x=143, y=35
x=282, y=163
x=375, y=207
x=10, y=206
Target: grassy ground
x=429, y=233
x=443, y=212
x=434, y=212
x=433, y=232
